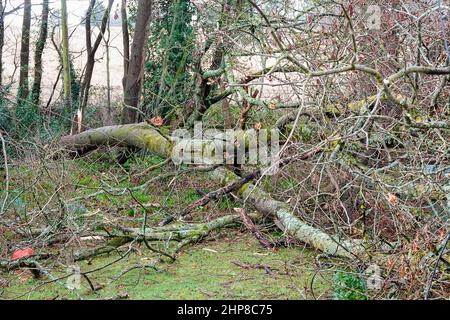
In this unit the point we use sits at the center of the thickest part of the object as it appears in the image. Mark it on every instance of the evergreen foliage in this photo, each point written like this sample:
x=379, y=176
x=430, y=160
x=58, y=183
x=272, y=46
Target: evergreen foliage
x=167, y=79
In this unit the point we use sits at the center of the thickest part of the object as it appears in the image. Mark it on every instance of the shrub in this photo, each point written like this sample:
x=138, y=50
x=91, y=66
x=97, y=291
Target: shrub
x=349, y=286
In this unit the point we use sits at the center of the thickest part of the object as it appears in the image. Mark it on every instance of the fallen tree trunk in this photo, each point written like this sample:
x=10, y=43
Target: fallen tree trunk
x=140, y=135
x=147, y=137
x=191, y=231
x=300, y=230
x=184, y=234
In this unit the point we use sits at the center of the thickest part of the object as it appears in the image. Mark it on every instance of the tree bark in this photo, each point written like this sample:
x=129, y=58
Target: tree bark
x=141, y=135
x=295, y=227
x=91, y=50
x=126, y=42
x=25, y=52
x=136, y=65
x=183, y=234
x=36, y=90
x=147, y=137
x=108, y=72
x=2, y=39
x=65, y=57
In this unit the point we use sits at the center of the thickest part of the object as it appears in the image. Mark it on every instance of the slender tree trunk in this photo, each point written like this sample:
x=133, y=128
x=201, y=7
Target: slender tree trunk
x=136, y=65
x=126, y=42
x=25, y=52
x=65, y=57
x=91, y=50
x=108, y=72
x=78, y=119
x=164, y=72
x=40, y=45
x=3, y=14
x=90, y=58
x=2, y=38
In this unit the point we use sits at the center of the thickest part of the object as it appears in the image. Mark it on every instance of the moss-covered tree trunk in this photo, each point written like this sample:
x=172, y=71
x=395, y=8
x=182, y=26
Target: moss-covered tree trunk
x=65, y=57
x=140, y=135
x=146, y=137
x=36, y=90
x=24, y=52
x=295, y=227
x=2, y=39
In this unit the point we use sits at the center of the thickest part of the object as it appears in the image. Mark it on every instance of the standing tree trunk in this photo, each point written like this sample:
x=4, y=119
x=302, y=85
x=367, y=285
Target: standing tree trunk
x=91, y=50
x=126, y=42
x=136, y=65
x=25, y=52
x=106, y=39
x=2, y=39
x=3, y=14
x=65, y=57
x=36, y=90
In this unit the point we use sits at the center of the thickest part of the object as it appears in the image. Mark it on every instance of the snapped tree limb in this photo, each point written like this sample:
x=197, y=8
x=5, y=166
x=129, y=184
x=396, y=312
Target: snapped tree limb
x=146, y=137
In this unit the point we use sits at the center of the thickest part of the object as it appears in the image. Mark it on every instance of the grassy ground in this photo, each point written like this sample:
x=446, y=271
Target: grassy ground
x=229, y=264
x=222, y=268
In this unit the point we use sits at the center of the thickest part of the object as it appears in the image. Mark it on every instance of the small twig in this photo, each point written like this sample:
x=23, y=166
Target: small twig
x=89, y=281
x=266, y=268
x=144, y=225
x=151, y=168
x=253, y=229
x=136, y=266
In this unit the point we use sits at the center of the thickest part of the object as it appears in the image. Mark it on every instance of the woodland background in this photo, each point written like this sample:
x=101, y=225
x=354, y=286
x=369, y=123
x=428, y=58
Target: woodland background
x=92, y=205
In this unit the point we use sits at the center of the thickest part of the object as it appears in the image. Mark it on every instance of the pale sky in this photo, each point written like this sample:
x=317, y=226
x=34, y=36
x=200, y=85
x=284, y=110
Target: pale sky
x=75, y=10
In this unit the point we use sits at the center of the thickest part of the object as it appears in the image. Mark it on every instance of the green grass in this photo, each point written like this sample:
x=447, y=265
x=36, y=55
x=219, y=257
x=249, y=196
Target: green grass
x=202, y=271
x=349, y=286
x=288, y=183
